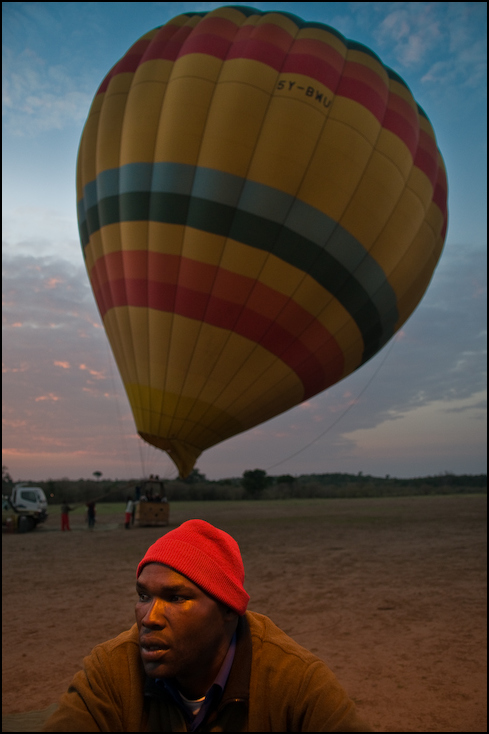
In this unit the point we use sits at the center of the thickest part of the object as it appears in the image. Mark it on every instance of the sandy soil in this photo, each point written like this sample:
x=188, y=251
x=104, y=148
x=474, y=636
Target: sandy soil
x=391, y=593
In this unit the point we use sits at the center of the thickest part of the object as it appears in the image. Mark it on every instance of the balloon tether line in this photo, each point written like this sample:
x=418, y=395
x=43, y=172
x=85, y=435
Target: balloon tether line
x=342, y=415
x=118, y=410
x=141, y=459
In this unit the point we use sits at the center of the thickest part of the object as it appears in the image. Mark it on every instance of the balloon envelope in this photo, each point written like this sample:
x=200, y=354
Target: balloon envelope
x=261, y=206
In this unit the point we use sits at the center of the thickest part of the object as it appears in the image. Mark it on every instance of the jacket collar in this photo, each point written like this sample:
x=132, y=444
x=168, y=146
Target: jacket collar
x=238, y=684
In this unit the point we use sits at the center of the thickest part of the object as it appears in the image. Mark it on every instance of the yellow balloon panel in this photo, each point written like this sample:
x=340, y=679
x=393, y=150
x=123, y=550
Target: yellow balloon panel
x=286, y=144
x=183, y=119
x=234, y=124
x=142, y=114
x=108, y=145
x=336, y=169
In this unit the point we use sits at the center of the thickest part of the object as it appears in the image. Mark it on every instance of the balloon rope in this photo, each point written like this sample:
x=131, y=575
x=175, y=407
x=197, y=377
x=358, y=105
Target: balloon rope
x=118, y=410
x=141, y=458
x=342, y=415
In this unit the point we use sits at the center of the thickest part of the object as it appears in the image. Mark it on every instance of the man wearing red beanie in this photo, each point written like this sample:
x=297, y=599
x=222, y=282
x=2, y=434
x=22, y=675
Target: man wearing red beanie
x=196, y=660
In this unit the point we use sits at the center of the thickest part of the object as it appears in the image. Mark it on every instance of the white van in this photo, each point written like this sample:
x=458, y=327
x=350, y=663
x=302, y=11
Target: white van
x=30, y=498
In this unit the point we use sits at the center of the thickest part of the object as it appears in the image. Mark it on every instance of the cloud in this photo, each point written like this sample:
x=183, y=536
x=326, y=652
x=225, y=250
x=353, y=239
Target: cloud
x=51, y=396
x=410, y=33
x=443, y=354
x=465, y=65
x=443, y=44
x=37, y=290
x=38, y=96
x=22, y=226
x=44, y=400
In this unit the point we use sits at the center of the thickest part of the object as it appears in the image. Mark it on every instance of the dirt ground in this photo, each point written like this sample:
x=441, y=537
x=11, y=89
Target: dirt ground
x=391, y=593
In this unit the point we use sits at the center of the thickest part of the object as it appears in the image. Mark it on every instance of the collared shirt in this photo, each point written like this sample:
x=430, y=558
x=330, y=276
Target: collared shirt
x=212, y=696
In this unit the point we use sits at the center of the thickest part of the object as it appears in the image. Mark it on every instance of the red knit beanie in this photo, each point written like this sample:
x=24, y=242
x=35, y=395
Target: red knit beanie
x=207, y=556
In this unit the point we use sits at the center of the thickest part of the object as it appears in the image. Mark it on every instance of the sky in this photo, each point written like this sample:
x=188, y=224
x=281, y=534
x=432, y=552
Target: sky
x=417, y=408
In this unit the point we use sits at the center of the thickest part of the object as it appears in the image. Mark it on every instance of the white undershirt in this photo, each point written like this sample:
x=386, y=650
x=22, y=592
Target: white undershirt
x=192, y=706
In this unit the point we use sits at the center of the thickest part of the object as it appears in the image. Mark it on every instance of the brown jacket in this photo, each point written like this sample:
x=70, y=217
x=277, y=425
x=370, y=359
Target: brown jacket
x=274, y=685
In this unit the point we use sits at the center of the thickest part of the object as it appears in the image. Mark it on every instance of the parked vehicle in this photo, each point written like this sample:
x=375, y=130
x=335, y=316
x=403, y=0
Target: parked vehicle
x=17, y=521
x=24, y=497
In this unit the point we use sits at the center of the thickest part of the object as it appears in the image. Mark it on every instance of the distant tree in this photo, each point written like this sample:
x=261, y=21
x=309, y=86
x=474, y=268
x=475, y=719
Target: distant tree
x=194, y=477
x=286, y=479
x=97, y=474
x=254, y=481
x=7, y=481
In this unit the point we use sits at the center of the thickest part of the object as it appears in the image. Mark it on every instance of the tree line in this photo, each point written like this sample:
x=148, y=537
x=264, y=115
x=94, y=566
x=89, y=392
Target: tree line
x=256, y=484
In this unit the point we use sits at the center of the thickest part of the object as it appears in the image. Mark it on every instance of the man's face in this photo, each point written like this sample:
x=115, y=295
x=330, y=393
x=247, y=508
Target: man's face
x=183, y=632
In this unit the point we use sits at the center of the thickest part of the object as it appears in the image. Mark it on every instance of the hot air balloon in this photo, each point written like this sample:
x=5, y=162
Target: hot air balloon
x=261, y=206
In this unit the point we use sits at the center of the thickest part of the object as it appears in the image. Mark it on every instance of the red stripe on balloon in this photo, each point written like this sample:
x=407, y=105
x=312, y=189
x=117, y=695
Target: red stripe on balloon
x=362, y=93
x=267, y=32
x=211, y=25
x=320, y=50
x=426, y=158
x=440, y=193
x=128, y=63
x=312, y=67
x=167, y=44
x=291, y=333
x=402, y=120
x=206, y=44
